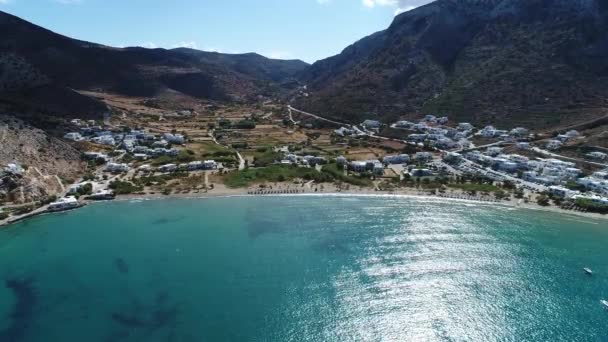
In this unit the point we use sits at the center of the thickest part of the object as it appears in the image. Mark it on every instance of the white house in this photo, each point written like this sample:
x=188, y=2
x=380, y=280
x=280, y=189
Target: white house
x=417, y=137
x=115, y=167
x=424, y=156
x=554, y=144
x=168, y=168
x=452, y=157
x=107, y=140
x=523, y=145
x=14, y=169
x=465, y=126
x=562, y=192
x=404, y=124
x=488, y=132
x=358, y=166
x=343, y=131
x=177, y=139
x=597, y=155
x=73, y=136
x=396, y=159
x=494, y=151
x=65, y=203
x=371, y=124
x=210, y=164
x=572, y=134
x=593, y=198
x=102, y=195
x=594, y=184
x=518, y=131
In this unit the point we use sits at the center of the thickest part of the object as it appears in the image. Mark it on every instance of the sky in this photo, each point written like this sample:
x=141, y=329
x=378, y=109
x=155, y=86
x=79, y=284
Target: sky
x=286, y=29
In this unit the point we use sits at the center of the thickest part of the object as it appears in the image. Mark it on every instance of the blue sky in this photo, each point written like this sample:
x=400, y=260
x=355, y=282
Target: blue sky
x=304, y=29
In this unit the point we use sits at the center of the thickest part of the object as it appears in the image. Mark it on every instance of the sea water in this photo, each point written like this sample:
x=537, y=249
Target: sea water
x=306, y=268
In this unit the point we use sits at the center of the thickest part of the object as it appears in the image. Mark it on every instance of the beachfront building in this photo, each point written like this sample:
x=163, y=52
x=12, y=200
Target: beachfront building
x=341, y=161
x=421, y=173
x=595, y=199
x=562, y=192
x=64, y=203
x=594, y=184
x=102, y=195
x=374, y=166
x=397, y=159
x=358, y=166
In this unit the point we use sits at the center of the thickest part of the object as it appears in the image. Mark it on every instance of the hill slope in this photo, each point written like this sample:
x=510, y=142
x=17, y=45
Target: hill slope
x=534, y=62
x=35, y=62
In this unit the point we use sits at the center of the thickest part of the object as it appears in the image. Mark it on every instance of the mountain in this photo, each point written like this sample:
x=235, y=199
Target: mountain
x=39, y=67
x=532, y=62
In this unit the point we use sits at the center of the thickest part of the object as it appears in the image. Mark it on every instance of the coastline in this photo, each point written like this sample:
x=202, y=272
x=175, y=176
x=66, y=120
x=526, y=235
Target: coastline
x=224, y=192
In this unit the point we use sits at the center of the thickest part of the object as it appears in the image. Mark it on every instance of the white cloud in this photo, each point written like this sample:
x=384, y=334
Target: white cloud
x=4, y=2
x=68, y=2
x=399, y=5
x=189, y=45
x=148, y=45
x=277, y=54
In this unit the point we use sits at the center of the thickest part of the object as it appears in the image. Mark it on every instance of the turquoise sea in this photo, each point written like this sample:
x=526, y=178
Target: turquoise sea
x=303, y=269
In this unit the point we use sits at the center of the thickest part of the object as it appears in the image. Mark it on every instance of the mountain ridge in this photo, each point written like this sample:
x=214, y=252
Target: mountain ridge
x=483, y=61
x=34, y=59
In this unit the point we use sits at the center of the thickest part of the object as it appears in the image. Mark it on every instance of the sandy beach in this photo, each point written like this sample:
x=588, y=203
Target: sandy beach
x=285, y=189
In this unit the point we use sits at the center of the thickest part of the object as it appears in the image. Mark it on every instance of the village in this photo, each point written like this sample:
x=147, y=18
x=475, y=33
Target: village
x=271, y=149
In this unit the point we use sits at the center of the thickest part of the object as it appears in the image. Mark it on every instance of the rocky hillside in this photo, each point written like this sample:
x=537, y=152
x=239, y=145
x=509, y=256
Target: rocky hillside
x=47, y=161
x=531, y=62
x=39, y=67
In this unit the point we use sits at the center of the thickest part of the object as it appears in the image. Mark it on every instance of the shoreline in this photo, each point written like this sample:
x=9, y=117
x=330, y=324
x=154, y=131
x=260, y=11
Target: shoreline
x=244, y=192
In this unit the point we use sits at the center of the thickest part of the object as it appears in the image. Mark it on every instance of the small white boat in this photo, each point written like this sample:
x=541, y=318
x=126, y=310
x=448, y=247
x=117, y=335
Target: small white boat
x=605, y=303
x=588, y=271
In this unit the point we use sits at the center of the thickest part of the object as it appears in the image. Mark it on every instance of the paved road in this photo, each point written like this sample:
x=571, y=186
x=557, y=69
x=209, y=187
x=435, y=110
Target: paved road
x=319, y=117
x=559, y=156
x=241, y=161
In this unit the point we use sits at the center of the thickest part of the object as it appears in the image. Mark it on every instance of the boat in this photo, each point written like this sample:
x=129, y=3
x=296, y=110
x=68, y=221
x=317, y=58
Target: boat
x=605, y=303
x=588, y=271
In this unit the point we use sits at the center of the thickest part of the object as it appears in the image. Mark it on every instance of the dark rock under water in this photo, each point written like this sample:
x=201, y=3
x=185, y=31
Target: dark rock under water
x=23, y=310
x=121, y=265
